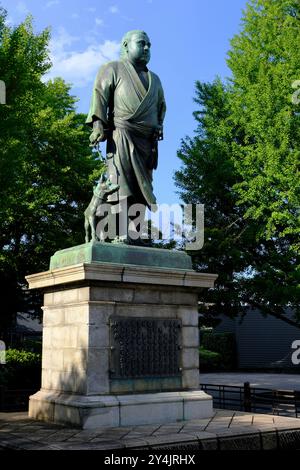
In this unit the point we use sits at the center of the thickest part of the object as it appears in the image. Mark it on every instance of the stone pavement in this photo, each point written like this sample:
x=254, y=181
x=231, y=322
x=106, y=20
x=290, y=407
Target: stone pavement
x=226, y=430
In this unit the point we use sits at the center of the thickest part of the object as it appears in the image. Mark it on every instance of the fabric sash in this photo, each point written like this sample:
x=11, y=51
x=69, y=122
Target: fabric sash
x=139, y=129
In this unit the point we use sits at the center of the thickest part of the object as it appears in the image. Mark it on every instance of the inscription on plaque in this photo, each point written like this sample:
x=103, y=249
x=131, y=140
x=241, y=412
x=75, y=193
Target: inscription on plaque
x=145, y=347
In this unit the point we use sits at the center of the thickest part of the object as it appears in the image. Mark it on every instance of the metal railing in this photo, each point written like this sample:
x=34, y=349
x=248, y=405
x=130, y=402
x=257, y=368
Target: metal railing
x=253, y=399
x=245, y=398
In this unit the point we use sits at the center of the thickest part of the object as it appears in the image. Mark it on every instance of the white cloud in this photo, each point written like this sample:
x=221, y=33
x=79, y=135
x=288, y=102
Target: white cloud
x=99, y=21
x=79, y=67
x=52, y=2
x=62, y=40
x=74, y=16
x=9, y=21
x=91, y=9
x=114, y=9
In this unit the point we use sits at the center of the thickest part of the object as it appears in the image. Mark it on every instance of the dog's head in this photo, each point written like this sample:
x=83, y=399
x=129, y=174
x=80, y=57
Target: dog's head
x=102, y=190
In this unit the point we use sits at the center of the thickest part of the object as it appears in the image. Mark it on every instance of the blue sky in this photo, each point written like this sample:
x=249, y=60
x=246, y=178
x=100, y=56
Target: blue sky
x=190, y=40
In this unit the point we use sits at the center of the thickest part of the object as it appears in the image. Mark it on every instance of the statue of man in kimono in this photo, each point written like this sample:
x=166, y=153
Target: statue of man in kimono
x=127, y=110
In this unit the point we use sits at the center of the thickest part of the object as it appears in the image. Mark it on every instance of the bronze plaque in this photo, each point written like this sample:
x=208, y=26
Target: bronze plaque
x=144, y=347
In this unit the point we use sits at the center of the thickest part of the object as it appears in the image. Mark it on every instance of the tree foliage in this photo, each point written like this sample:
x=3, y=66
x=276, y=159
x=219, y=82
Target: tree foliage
x=243, y=165
x=22, y=370
x=46, y=168
x=265, y=60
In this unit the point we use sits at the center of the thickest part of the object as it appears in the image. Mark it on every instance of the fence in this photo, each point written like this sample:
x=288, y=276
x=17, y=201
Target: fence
x=257, y=400
x=246, y=398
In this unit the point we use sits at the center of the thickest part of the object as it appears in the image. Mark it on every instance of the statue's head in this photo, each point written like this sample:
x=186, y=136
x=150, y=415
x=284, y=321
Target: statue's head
x=136, y=47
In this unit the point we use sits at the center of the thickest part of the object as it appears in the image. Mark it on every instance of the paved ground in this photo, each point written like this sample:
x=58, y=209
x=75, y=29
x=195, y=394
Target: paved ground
x=273, y=381
x=225, y=430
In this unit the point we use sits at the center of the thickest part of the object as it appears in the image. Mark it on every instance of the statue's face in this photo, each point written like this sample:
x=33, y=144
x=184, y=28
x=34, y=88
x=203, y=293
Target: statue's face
x=138, y=49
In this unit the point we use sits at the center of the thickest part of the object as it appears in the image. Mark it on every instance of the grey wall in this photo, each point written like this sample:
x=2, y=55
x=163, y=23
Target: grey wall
x=262, y=342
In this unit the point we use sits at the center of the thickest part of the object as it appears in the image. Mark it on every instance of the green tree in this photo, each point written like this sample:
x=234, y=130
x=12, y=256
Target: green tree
x=46, y=168
x=243, y=165
x=208, y=176
x=264, y=59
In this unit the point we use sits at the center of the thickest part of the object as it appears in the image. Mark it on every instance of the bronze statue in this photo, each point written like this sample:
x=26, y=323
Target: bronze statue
x=127, y=110
x=100, y=194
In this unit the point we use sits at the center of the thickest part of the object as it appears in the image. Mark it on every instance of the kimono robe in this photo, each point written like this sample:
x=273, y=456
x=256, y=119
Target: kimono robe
x=131, y=114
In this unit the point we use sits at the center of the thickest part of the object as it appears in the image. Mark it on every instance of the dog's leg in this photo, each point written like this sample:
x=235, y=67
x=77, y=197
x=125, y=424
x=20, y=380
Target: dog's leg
x=92, y=220
x=86, y=228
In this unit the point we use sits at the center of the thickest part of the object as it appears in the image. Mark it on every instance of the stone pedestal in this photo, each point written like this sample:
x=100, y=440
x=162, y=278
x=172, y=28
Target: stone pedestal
x=120, y=340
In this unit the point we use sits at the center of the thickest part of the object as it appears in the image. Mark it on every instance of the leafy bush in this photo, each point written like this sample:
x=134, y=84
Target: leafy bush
x=22, y=370
x=222, y=343
x=26, y=358
x=209, y=360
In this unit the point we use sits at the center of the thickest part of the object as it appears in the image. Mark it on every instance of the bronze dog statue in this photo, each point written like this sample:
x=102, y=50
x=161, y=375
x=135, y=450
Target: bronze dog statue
x=101, y=192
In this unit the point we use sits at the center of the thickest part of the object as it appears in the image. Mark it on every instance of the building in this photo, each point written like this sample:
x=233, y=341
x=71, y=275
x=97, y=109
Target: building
x=263, y=342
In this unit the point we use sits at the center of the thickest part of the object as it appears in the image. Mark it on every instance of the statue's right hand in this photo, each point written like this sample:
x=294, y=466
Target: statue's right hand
x=97, y=136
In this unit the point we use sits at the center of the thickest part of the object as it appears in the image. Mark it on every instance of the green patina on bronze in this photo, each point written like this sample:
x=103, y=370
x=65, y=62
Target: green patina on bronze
x=127, y=110
x=146, y=384
x=100, y=252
